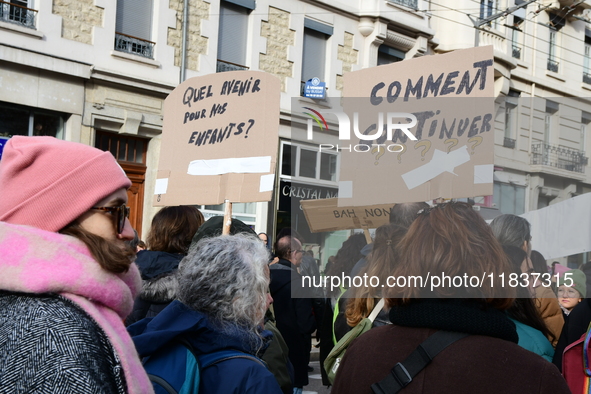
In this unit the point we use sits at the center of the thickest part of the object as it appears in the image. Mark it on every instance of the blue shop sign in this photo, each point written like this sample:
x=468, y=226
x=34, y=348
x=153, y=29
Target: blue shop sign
x=315, y=89
x=3, y=141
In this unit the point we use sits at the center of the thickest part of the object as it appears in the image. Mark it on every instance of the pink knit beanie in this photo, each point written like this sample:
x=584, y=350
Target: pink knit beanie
x=47, y=183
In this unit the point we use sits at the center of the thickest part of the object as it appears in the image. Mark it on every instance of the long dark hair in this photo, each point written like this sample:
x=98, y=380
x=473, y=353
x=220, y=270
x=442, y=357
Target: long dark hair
x=451, y=238
x=115, y=257
x=524, y=308
x=173, y=229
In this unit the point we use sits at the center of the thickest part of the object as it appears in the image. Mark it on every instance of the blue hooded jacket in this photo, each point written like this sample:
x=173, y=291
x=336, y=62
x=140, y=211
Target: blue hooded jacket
x=237, y=375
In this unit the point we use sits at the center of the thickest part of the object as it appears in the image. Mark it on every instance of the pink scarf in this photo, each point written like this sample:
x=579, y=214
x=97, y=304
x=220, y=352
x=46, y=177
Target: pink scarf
x=38, y=261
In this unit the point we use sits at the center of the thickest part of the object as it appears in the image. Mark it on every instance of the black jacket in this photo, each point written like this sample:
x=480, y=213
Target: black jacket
x=159, y=284
x=294, y=316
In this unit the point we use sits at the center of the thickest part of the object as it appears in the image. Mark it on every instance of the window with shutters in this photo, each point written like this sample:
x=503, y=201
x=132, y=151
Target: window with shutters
x=133, y=29
x=316, y=35
x=232, y=35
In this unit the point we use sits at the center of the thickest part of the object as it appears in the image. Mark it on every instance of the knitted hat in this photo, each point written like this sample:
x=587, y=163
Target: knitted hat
x=48, y=183
x=578, y=280
x=213, y=228
x=560, y=269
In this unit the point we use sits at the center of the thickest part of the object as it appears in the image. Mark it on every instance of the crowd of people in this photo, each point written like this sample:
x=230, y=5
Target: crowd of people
x=87, y=308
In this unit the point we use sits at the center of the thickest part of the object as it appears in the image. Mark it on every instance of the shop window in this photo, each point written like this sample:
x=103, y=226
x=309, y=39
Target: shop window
x=509, y=198
x=316, y=36
x=20, y=120
x=300, y=161
x=232, y=35
x=133, y=29
x=387, y=55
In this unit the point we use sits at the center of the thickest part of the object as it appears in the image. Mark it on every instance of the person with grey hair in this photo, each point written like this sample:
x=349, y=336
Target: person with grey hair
x=513, y=230
x=222, y=299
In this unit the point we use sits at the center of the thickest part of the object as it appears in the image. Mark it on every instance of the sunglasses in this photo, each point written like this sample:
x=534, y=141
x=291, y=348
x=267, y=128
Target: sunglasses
x=122, y=212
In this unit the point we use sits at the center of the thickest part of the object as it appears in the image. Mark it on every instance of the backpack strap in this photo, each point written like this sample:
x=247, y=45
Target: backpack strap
x=403, y=373
x=207, y=360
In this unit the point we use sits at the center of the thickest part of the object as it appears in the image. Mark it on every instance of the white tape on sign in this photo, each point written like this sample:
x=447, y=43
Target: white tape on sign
x=483, y=173
x=242, y=165
x=161, y=186
x=266, y=184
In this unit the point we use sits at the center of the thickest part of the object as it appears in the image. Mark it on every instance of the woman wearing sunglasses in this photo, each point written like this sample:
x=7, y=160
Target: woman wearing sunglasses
x=67, y=280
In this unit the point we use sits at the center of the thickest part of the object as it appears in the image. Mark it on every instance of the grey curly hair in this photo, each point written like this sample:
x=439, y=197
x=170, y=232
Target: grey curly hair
x=226, y=278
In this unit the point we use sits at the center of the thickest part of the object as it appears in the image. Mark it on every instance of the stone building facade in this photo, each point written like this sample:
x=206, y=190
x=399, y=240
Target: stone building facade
x=97, y=72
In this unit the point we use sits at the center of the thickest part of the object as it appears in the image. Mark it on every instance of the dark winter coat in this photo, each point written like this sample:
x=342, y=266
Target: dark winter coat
x=575, y=325
x=294, y=316
x=159, y=284
x=487, y=361
x=233, y=376
x=81, y=360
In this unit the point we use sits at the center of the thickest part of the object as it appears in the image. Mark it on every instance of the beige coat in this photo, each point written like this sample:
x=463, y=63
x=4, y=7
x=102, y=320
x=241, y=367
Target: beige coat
x=548, y=307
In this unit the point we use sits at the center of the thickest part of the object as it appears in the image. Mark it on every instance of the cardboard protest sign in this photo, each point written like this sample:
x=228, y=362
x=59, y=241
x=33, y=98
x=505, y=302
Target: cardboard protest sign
x=219, y=140
x=417, y=130
x=325, y=215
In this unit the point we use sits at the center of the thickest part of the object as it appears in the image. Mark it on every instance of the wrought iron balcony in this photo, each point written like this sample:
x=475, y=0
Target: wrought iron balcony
x=516, y=52
x=134, y=45
x=223, y=66
x=407, y=3
x=20, y=15
x=509, y=143
x=587, y=78
x=552, y=65
x=559, y=157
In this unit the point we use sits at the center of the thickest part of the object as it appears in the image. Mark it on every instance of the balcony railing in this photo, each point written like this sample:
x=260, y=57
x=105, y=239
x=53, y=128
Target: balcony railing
x=559, y=157
x=516, y=52
x=407, y=3
x=134, y=45
x=509, y=143
x=223, y=66
x=552, y=65
x=17, y=14
x=587, y=78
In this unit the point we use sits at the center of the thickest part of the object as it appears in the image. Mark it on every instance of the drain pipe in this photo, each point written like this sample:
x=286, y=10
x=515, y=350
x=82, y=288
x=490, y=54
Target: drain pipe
x=184, y=40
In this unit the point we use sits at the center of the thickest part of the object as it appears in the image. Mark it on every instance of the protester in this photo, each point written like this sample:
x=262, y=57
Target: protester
x=293, y=307
x=572, y=288
x=531, y=329
x=576, y=323
x=170, y=235
x=381, y=263
x=265, y=238
x=67, y=279
x=401, y=215
x=335, y=303
x=516, y=231
x=452, y=238
x=222, y=299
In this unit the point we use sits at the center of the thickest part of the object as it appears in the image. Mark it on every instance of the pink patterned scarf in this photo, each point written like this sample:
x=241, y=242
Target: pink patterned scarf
x=38, y=261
